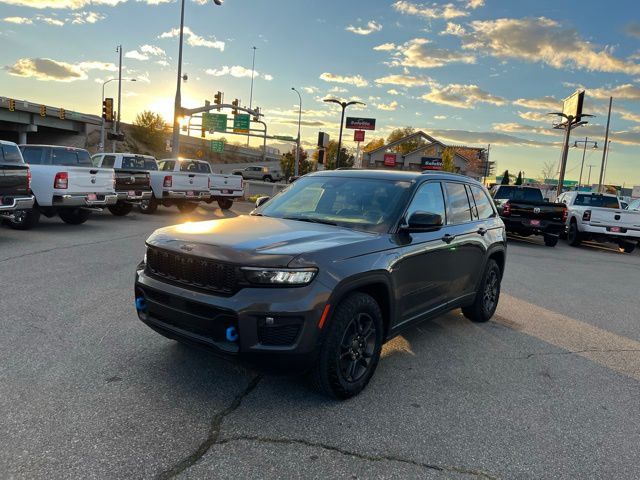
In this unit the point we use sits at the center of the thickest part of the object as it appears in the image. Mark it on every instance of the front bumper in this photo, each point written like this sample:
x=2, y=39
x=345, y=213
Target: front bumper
x=177, y=195
x=203, y=318
x=17, y=203
x=82, y=200
x=131, y=196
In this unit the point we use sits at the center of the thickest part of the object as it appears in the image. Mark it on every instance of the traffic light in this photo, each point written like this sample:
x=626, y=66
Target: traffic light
x=43, y=110
x=235, y=104
x=12, y=105
x=256, y=117
x=107, y=110
x=203, y=134
x=217, y=99
x=62, y=114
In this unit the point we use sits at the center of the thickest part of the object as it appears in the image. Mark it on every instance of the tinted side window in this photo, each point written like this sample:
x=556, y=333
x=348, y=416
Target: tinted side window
x=483, y=204
x=10, y=154
x=84, y=159
x=188, y=167
x=429, y=199
x=35, y=155
x=62, y=156
x=459, y=208
x=108, y=161
x=167, y=166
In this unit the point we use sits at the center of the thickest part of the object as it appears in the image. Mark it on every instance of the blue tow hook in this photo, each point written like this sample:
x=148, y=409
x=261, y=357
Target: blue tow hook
x=141, y=304
x=232, y=334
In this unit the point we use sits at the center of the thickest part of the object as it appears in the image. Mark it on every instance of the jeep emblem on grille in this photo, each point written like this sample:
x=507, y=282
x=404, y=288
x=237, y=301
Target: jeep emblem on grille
x=536, y=210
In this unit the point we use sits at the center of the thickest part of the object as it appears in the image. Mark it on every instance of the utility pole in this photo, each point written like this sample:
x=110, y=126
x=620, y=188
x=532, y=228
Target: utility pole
x=589, y=179
x=296, y=168
x=253, y=72
x=605, y=150
x=606, y=163
x=117, y=122
x=586, y=141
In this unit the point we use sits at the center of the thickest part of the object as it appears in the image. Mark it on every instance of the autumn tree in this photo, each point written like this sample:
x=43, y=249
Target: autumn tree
x=373, y=144
x=288, y=163
x=150, y=128
x=408, y=146
x=448, y=163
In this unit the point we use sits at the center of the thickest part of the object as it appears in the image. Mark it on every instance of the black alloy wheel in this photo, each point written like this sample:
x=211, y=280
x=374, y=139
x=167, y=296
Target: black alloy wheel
x=357, y=347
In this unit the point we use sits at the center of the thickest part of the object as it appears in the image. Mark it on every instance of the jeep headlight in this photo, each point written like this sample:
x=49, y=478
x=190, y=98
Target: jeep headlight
x=279, y=276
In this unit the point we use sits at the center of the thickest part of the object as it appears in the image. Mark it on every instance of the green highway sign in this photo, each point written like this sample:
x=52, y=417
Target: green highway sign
x=216, y=122
x=241, y=123
x=217, y=146
x=284, y=137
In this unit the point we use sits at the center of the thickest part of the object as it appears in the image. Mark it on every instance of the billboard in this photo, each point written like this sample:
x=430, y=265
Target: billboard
x=431, y=163
x=358, y=136
x=390, y=159
x=361, y=123
x=572, y=105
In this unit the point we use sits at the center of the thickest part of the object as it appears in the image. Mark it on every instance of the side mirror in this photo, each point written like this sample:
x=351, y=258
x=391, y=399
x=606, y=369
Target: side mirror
x=421, y=221
x=262, y=200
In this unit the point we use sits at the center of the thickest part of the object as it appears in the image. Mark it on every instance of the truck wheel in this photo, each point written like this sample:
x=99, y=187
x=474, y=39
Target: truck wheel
x=150, y=206
x=25, y=219
x=186, y=207
x=350, y=351
x=267, y=178
x=225, y=203
x=487, y=296
x=573, y=237
x=627, y=247
x=120, y=209
x=74, y=216
x=550, y=240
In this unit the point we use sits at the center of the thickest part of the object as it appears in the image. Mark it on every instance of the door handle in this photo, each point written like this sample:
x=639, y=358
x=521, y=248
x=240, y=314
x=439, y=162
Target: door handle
x=448, y=238
x=482, y=231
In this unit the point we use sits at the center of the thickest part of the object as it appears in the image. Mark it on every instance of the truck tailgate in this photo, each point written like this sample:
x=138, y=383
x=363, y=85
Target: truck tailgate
x=541, y=211
x=184, y=182
x=89, y=180
x=132, y=180
x=13, y=180
x=611, y=217
x=226, y=184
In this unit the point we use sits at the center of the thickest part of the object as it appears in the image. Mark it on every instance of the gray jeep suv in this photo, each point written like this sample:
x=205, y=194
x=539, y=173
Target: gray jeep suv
x=321, y=275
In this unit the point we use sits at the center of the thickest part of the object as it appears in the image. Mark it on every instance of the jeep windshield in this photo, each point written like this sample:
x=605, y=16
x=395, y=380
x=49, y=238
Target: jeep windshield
x=359, y=203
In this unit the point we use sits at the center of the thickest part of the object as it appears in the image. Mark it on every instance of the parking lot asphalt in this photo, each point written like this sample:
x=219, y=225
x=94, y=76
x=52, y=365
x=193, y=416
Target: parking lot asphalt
x=548, y=389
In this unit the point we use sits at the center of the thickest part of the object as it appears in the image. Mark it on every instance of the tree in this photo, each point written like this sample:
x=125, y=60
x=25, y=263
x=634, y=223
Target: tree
x=519, y=179
x=406, y=147
x=288, y=162
x=548, y=171
x=505, y=178
x=373, y=144
x=150, y=128
x=448, y=163
x=346, y=158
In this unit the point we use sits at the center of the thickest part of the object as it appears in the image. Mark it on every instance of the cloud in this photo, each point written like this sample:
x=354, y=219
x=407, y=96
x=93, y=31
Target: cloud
x=454, y=29
x=627, y=91
x=237, y=71
x=136, y=55
x=62, y=4
x=473, y=4
x=193, y=39
x=633, y=29
x=440, y=117
x=447, y=11
x=86, y=17
x=626, y=137
x=385, y=47
x=551, y=104
x=46, y=69
x=389, y=107
x=268, y=77
x=543, y=40
x=535, y=116
x=153, y=50
x=393, y=91
x=514, y=127
x=18, y=20
x=467, y=137
x=627, y=115
x=337, y=89
x=145, y=52
x=164, y=63
x=404, y=80
x=51, y=21
x=356, y=80
x=311, y=90
x=461, y=96
x=371, y=27
x=419, y=53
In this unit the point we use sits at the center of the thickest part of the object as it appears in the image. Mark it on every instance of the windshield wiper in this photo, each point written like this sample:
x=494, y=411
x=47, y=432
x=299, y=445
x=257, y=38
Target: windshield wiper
x=311, y=220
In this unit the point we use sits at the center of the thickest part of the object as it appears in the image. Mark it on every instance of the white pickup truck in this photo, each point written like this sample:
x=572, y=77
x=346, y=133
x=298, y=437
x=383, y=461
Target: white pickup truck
x=64, y=183
x=599, y=217
x=224, y=188
x=178, y=181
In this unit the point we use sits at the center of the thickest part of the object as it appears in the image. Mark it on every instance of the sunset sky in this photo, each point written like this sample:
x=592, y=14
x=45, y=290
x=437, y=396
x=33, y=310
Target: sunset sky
x=471, y=72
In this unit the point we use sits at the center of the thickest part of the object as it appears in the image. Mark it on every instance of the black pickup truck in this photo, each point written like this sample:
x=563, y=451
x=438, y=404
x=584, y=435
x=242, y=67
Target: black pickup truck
x=132, y=178
x=15, y=188
x=525, y=212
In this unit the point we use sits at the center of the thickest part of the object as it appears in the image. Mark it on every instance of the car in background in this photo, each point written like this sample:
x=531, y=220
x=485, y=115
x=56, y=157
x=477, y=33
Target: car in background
x=258, y=172
x=182, y=182
x=224, y=188
x=525, y=212
x=133, y=179
x=634, y=205
x=321, y=275
x=15, y=182
x=64, y=183
x=600, y=217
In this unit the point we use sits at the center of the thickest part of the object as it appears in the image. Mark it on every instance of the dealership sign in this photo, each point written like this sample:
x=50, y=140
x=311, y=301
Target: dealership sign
x=358, y=136
x=390, y=159
x=361, y=123
x=431, y=163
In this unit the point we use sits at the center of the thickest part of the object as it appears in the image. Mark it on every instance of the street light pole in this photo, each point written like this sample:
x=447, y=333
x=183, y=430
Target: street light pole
x=586, y=141
x=297, y=165
x=253, y=71
x=103, y=124
x=605, y=150
x=177, y=107
x=117, y=123
x=344, y=106
x=589, y=179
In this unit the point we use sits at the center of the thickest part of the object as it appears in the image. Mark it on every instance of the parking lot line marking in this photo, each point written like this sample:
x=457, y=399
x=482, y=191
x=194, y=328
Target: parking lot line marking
x=608, y=349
